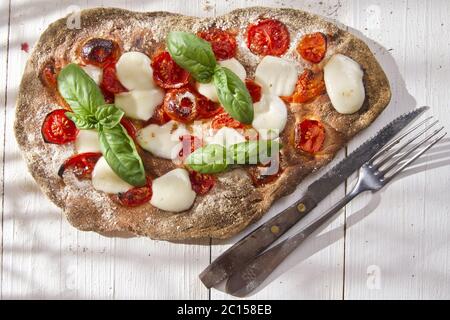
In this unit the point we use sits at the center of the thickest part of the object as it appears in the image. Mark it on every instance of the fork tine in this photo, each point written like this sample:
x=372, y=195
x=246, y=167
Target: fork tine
x=396, y=141
x=410, y=150
x=388, y=157
x=416, y=156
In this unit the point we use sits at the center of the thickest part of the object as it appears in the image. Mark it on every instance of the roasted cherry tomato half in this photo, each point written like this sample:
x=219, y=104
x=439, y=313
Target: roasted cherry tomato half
x=223, y=43
x=254, y=89
x=109, y=96
x=309, y=136
x=313, y=47
x=82, y=164
x=57, y=128
x=201, y=183
x=262, y=175
x=268, y=37
x=309, y=86
x=225, y=120
x=206, y=108
x=166, y=73
x=129, y=126
x=159, y=117
x=49, y=74
x=98, y=51
x=181, y=104
x=189, y=144
x=136, y=196
x=110, y=83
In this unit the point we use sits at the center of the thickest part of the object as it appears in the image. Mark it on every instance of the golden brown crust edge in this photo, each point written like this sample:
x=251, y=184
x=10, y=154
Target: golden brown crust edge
x=234, y=202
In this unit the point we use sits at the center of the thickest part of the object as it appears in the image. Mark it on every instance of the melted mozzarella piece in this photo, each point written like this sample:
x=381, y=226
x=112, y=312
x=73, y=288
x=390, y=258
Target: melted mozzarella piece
x=173, y=191
x=162, y=141
x=94, y=72
x=134, y=71
x=106, y=180
x=87, y=141
x=276, y=75
x=139, y=104
x=344, y=82
x=235, y=66
x=209, y=90
x=270, y=116
x=225, y=137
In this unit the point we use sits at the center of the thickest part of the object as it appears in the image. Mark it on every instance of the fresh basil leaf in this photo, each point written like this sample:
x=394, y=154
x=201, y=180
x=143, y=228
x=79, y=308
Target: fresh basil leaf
x=89, y=111
x=80, y=121
x=79, y=90
x=233, y=95
x=108, y=115
x=253, y=151
x=120, y=152
x=209, y=159
x=192, y=54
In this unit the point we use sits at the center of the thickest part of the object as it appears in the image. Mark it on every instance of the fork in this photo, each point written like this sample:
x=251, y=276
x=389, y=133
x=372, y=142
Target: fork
x=372, y=176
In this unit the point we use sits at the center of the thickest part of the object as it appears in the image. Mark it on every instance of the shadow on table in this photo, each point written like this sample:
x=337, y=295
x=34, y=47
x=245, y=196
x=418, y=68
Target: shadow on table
x=438, y=156
x=402, y=102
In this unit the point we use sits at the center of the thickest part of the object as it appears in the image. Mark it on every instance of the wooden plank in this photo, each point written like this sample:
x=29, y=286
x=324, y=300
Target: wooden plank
x=31, y=235
x=315, y=271
x=404, y=236
x=146, y=269
x=433, y=241
x=397, y=240
x=44, y=257
x=4, y=29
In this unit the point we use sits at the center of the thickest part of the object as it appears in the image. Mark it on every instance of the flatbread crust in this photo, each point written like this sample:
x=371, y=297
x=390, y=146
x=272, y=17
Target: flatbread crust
x=234, y=202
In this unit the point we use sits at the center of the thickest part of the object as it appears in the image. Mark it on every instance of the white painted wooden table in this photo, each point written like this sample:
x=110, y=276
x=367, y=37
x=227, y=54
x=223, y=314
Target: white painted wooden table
x=392, y=245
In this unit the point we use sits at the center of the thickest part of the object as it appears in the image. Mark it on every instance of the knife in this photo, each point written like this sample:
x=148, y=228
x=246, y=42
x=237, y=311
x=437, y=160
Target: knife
x=254, y=243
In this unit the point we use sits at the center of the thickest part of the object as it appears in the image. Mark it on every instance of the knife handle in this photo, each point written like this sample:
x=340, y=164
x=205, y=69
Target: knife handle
x=249, y=277
x=256, y=242
x=270, y=231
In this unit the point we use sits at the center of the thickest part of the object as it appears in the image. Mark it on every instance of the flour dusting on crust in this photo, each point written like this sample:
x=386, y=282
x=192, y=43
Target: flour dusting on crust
x=234, y=202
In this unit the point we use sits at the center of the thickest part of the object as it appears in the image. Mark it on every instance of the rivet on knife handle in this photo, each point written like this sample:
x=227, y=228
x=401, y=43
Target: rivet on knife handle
x=301, y=207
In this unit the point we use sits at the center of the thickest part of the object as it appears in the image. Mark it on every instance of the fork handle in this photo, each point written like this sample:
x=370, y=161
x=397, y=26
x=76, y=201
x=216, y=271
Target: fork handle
x=244, y=281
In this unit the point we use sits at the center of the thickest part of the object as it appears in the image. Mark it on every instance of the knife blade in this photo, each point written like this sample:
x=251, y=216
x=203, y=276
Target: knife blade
x=257, y=241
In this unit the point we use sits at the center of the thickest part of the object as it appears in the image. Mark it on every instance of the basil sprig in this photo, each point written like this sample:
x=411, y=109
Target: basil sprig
x=79, y=90
x=90, y=112
x=193, y=54
x=215, y=158
x=81, y=121
x=108, y=116
x=197, y=57
x=120, y=152
x=233, y=95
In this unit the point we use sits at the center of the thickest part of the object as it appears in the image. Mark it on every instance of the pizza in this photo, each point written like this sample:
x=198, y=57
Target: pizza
x=176, y=127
